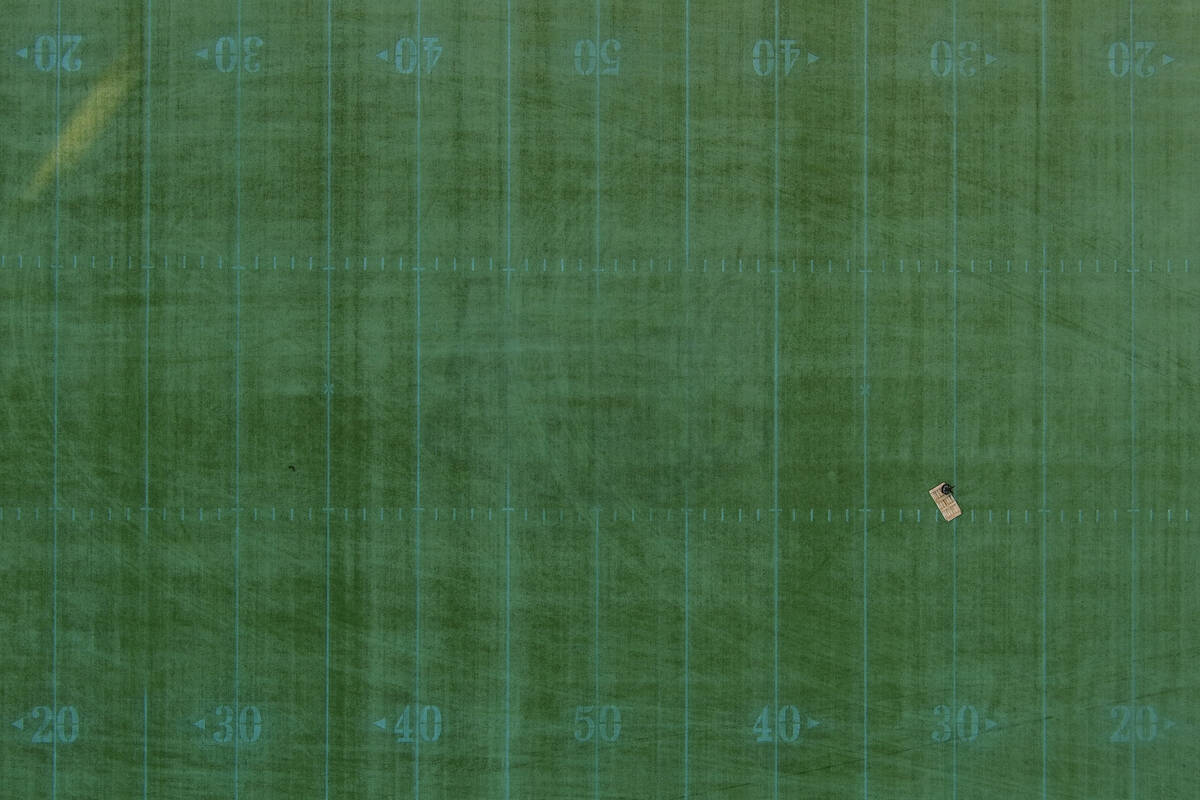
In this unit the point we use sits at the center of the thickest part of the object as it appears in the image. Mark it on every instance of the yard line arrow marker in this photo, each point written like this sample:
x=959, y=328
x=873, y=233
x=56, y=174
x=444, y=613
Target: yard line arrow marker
x=989, y=724
x=199, y=723
x=812, y=723
x=1166, y=59
x=813, y=57
x=19, y=724
x=203, y=53
x=1169, y=724
x=989, y=59
x=382, y=55
x=23, y=52
x=381, y=724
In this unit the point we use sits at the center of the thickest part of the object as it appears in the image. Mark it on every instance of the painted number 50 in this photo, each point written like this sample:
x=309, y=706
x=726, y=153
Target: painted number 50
x=588, y=56
x=606, y=721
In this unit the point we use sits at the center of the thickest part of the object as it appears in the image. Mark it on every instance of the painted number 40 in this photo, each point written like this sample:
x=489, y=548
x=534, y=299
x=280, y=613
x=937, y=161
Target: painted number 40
x=765, y=58
x=428, y=727
x=407, y=55
x=788, y=725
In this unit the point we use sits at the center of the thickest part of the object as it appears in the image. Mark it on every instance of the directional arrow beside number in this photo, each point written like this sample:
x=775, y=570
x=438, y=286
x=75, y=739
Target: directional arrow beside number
x=199, y=723
x=1166, y=59
x=19, y=724
x=813, y=57
x=23, y=52
x=203, y=53
x=382, y=55
x=1169, y=724
x=381, y=724
x=989, y=59
x=989, y=724
x=812, y=723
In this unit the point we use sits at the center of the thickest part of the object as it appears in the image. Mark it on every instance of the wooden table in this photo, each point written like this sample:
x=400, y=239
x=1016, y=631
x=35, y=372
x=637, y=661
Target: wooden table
x=945, y=502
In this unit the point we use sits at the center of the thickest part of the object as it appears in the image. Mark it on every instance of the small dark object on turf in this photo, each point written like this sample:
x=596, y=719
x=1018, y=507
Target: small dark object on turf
x=947, y=489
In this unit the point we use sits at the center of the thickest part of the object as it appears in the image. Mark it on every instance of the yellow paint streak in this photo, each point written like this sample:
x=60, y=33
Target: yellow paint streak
x=85, y=125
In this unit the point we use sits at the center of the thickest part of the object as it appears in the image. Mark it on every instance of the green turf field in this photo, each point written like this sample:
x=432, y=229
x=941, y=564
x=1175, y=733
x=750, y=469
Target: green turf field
x=540, y=399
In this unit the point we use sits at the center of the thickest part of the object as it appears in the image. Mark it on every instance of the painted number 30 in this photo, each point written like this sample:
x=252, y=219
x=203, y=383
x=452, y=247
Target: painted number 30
x=249, y=725
x=943, y=62
x=228, y=55
x=965, y=724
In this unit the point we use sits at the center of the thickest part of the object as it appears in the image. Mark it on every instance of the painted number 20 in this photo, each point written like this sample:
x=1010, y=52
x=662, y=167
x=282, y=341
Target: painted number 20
x=588, y=57
x=1136, y=721
x=1119, y=59
x=47, y=50
x=63, y=726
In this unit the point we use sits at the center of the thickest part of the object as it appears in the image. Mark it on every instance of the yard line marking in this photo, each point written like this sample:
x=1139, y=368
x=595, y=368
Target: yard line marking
x=1045, y=422
x=237, y=407
x=687, y=260
x=507, y=632
x=145, y=742
x=596, y=243
x=1043, y=72
x=54, y=457
x=1133, y=499
x=596, y=653
x=687, y=139
x=596, y=541
x=507, y=389
x=866, y=395
x=146, y=172
x=420, y=268
x=775, y=419
x=954, y=390
x=328, y=364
